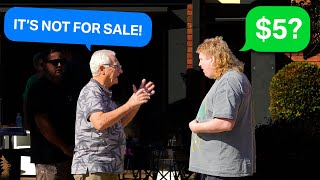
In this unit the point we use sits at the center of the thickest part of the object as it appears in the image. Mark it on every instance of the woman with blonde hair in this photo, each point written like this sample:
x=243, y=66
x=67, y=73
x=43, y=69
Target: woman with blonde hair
x=223, y=138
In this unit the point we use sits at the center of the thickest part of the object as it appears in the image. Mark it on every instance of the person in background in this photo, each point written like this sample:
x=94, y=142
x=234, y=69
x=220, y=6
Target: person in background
x=99, y=138
x=51, y=122
x=38, y=59
x=223, y=133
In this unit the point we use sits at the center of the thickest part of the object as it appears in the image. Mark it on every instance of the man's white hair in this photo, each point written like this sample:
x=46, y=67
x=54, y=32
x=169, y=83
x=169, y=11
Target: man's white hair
x=98, y=58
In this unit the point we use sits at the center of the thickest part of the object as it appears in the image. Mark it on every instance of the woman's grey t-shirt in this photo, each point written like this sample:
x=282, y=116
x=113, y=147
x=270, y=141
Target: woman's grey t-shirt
x=226, y=154
x=96, y=151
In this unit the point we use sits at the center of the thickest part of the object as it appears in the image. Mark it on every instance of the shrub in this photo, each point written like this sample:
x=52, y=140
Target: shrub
x=295, y=92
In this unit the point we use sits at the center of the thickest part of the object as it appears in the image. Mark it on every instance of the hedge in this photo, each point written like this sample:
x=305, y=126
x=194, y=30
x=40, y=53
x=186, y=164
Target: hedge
x=295, y=92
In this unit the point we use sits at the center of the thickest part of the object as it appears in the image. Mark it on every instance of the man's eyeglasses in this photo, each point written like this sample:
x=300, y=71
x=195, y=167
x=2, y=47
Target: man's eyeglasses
x=55, y=62
x=117, y=66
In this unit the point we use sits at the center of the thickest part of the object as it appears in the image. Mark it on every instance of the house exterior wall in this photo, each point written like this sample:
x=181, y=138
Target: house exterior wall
x=177, y=54
x=298, y=57
x=189, y=36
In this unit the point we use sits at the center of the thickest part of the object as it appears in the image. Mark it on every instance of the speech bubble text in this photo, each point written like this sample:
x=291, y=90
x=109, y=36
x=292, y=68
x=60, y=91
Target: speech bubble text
x=277, y=29
x=83, y=27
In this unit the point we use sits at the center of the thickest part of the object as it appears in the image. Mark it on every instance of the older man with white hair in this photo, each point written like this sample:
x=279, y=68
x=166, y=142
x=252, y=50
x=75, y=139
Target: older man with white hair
x=99, y=135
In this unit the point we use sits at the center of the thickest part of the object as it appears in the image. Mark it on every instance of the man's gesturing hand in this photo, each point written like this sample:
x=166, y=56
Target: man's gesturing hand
x=138, y=98
x=148, y=87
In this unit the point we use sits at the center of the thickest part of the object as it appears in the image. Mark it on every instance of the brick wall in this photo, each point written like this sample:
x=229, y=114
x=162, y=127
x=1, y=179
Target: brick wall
x=189, y=37
x=299, y=58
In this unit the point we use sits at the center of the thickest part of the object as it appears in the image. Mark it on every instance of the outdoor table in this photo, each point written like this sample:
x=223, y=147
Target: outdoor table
x=173, y=163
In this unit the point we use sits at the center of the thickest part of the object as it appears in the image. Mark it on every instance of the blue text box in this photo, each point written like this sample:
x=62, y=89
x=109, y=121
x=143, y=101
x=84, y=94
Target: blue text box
x=88, y=27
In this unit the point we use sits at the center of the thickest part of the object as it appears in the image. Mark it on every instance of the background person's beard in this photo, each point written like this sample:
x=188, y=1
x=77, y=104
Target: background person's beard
x=53, y=76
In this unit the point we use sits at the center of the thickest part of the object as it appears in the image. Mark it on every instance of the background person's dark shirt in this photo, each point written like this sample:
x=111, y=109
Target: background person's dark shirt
x=53, y=100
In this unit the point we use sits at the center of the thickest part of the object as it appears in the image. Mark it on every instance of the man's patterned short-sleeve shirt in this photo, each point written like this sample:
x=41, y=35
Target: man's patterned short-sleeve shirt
x=96, y=151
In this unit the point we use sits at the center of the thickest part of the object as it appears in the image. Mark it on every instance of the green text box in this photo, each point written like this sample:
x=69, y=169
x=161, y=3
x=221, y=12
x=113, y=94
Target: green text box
x=277, y=29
